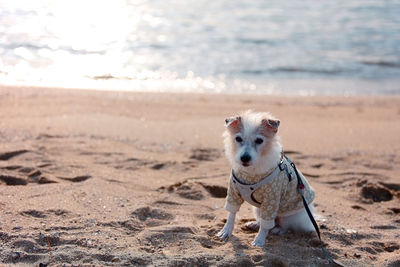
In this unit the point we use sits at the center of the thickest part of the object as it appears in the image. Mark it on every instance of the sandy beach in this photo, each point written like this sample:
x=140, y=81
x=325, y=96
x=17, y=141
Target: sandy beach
x=91, y=178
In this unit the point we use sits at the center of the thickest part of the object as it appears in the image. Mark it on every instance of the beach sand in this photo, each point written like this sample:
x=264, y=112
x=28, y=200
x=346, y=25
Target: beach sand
x=133, y=179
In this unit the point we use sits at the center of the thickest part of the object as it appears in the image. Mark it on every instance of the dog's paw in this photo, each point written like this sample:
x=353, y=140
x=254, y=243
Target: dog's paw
x=225, y=233
x=259, y=241
x=277, y=231
x=252, y=226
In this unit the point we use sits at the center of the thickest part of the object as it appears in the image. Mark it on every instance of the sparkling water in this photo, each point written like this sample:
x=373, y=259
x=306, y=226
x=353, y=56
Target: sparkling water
x=254, y=46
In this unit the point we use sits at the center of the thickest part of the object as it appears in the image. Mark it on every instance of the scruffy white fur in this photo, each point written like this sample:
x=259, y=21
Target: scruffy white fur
x=264, y=157
x=251, y=121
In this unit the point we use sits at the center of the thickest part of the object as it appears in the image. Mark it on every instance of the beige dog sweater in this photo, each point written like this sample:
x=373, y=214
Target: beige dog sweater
x=279, y=197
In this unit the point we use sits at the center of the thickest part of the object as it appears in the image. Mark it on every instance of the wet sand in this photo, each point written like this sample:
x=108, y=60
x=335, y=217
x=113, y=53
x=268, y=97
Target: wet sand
x=132, y=179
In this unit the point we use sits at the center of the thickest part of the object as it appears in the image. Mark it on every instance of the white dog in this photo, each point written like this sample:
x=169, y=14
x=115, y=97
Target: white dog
x=263, y=176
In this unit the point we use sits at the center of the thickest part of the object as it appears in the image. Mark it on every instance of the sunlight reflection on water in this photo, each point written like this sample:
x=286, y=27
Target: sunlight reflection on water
x=202, y=46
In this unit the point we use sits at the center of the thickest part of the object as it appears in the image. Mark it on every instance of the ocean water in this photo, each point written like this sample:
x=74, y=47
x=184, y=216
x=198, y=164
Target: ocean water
x=336, y=47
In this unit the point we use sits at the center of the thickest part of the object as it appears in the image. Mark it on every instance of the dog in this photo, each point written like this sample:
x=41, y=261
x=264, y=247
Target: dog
x=254, y=151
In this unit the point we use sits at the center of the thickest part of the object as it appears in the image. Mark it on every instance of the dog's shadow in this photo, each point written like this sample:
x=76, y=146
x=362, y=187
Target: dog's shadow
x=271, y=254
x=247, y=255
x=242, y=258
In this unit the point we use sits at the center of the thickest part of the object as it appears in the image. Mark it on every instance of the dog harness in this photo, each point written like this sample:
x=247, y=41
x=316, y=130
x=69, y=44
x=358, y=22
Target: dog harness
x=246, y=190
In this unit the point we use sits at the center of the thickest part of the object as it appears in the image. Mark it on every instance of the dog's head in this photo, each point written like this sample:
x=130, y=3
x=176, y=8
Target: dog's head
x=250, y=138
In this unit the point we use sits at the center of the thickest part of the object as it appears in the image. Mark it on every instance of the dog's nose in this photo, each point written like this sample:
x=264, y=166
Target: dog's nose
x=245, y=158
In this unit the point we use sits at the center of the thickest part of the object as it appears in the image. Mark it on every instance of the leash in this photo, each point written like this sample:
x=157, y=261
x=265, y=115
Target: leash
x=300, y=187
x=246, y=191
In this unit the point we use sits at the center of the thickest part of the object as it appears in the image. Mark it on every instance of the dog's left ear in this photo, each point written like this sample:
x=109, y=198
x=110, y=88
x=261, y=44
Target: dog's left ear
x=269, y=126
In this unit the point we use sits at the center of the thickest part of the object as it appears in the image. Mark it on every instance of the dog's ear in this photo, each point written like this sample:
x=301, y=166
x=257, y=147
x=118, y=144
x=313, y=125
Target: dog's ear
x=234, y=124
x=269, y=126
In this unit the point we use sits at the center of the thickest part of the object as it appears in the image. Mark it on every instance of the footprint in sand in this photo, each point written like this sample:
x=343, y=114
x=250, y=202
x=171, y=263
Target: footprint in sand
x=162, y=165
x=357, y=207
x=147, y=213
x=394, y=263
x=295, y=155
x=292, y=152
x=11, y=154
x=13, y=180
x=391, y=186
x=28, y=246
x=45, y=214
x=135, y=164
x=131, y=226
x=216, y=191
x=167, y=236
x=12, y=167
x=380, y=247
x=205, y=154
x=152, y=217
x=167, y=203
x=395, y=210
x=376, y=193
x=76, y=179
x=186, y=190
x=317, y=165
x=20, y=175
x=33, y=213
x=384, y=227
x=196, y=190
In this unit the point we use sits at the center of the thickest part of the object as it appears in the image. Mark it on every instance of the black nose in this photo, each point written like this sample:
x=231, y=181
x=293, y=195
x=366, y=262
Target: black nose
x=245, y=158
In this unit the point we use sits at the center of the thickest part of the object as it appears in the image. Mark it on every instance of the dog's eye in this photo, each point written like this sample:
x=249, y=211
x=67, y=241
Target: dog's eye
x=238, y=139
x=259, y=141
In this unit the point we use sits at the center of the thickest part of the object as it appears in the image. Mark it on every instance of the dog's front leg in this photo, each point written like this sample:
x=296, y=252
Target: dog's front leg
x=226, y=232
x=259, y=240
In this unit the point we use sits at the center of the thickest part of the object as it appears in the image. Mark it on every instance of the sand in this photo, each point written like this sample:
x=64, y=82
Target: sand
x=90, y=178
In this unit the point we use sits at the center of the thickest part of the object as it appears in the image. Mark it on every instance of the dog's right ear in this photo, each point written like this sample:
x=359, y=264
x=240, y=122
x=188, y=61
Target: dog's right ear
x=269, y=127
x=234, y=124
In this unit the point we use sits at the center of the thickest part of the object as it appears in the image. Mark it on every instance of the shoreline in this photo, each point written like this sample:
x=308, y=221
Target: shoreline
x=244, y=95
x=329, y=87
x=128, y=178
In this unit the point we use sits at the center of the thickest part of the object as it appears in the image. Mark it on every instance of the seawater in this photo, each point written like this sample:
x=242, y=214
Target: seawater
x=277, y=47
